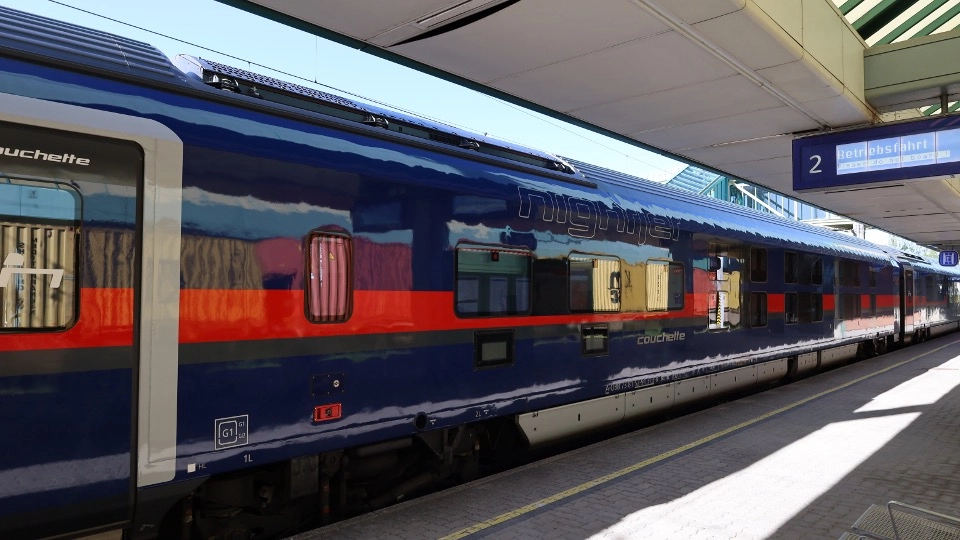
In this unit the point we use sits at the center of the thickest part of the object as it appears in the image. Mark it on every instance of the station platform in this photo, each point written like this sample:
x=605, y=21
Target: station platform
x=803, y=460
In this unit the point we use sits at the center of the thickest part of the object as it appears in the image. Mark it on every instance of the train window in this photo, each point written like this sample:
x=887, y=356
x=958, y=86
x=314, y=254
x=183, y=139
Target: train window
x=933, y=289
x=758, y=265
x=664, y=285
x=594, y=283
x=849, y=306
x=816, y=273
x=873, y=276
x=811, y=269
x=791, y=308
x=758, y=309
x=715, y=263
x=330, y=287
x=849, y=273
x=791, y=267
x=953, y=288
x=718, y=262
x=549, y=286
x=718, y=310
x=492, y=281
x=811, y=307
x=39, y=231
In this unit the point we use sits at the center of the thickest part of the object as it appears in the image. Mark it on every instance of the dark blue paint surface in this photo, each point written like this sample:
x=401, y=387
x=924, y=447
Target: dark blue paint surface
x=71, y=441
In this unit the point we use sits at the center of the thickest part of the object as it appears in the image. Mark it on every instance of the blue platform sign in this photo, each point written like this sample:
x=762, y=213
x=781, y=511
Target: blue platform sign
x=902, y=151
x=949, y=258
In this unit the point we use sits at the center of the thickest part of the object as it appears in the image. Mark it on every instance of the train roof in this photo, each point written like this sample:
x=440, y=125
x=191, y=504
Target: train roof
x=50, y=40
x=42, y=37
x=919, y=261
x=734, y=217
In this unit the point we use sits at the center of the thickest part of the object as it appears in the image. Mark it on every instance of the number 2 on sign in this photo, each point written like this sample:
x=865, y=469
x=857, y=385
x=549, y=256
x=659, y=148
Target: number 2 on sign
x=816, y=159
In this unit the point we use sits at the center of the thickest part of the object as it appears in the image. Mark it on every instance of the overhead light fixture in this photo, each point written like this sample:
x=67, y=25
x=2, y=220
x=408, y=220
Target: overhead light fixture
x=436, y=21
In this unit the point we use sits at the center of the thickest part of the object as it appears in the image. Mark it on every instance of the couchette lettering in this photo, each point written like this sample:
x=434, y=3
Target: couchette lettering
x=676, y=335
x=44, y=156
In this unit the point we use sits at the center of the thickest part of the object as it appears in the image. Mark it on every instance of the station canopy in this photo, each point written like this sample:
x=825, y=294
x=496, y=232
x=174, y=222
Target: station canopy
x=727, y=85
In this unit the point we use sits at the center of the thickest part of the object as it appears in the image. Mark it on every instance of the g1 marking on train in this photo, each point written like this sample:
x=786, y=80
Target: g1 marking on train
x=230, y=432
x=13, y=264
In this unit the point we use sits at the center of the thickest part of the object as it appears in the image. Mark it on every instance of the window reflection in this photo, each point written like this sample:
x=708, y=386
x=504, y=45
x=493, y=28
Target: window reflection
x=38, y=249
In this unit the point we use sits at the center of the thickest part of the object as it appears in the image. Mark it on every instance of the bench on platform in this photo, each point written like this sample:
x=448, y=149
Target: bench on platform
x=899, y=521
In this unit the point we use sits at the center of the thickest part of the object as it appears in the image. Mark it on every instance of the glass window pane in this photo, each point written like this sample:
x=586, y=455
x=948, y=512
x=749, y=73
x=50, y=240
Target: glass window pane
x=595, y=283
x=849, y=273
x=791, y=308
x=790, y=267
x=850, y=307
x=758, y=265
x=758, y=309
x=675, y=292
x=581, y=284
x=492, y=281
x=811, y=269
x=39, y=229
x=330, y=287
x=468, y=293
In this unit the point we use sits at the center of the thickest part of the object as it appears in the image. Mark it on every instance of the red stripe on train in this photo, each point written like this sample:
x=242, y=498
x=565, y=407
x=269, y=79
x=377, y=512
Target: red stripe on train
x=106, y=320
x=225, y=315
x=207, y=315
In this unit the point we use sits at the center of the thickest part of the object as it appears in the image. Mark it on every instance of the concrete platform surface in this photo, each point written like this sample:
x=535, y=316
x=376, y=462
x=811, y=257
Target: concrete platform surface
x=803, y=460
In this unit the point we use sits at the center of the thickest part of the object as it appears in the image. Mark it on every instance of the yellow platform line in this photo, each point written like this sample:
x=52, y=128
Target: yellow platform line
x=502, y=518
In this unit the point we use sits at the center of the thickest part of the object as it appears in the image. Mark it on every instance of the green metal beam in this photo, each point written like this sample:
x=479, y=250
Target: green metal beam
x=935, y=109
x=939, y=22
x=868, y=17
x=849, y=5
x=880, y=16
x=911, y=22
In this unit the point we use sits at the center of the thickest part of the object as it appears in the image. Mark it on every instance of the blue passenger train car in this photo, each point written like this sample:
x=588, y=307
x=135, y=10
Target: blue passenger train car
x=233, y=305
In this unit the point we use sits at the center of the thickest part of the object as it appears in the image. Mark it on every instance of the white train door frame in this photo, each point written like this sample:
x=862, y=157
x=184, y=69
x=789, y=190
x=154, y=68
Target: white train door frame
x=155, y=443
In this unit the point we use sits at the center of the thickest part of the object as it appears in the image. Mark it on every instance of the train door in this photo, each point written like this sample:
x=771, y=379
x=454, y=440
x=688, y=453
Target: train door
x=73, y=344
x=907, y=290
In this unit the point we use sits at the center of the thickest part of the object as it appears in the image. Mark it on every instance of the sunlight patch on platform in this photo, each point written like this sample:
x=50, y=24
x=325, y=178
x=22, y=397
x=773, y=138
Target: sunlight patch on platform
x=778, y=486
x=924, y=389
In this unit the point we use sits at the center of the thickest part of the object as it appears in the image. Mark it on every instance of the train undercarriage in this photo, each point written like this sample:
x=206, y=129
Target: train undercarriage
x=281, y=499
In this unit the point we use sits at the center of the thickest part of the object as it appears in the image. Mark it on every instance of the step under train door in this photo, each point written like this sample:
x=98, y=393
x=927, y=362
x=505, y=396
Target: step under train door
x=89, y=304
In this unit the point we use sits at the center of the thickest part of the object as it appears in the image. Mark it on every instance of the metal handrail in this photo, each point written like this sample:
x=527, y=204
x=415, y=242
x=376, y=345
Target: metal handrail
x=924, y=513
